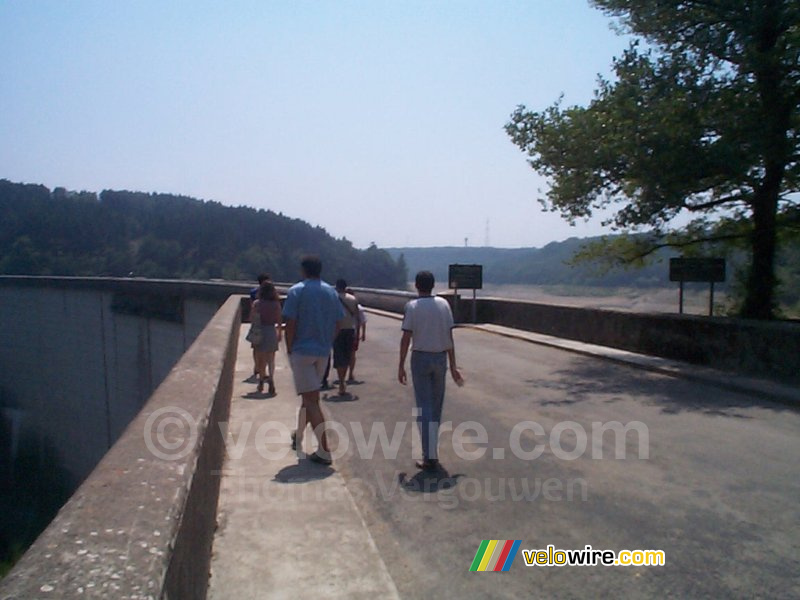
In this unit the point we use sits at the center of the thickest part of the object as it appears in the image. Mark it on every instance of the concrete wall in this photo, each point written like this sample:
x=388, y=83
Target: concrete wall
x=765, y=349
x=769, y=349
x=392, y=301
x=80, y=357
x=142, y=524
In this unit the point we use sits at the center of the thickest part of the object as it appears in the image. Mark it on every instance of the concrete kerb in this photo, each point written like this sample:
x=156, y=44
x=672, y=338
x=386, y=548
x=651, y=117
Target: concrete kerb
x=761, y=388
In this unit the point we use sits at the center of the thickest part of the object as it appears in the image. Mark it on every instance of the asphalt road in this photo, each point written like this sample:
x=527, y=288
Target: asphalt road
x=712, y=481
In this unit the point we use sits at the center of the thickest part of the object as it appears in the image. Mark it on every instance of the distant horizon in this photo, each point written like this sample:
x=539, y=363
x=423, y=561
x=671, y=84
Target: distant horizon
x=481, y=247
x=333, y=234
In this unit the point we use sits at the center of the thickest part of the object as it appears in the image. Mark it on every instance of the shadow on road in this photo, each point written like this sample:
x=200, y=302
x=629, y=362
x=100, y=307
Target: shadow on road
x=303, y=472
x=346, y=397
x=429, y=482
x=586, y=379
x=256, y=395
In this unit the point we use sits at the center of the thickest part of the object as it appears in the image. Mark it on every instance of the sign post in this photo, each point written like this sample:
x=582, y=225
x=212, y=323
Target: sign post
x=466, y=277
x=711, y=270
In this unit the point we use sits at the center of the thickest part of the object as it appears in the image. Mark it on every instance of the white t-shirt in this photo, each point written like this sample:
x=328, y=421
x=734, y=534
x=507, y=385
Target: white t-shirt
x=429, y=320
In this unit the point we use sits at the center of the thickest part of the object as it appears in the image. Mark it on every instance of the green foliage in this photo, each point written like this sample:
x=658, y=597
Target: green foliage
x=159, y=235
x=703, y=119
x=552, y=265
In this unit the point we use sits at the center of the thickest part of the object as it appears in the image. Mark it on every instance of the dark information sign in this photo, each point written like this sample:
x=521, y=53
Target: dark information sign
x=466, y=277
x=710, y=270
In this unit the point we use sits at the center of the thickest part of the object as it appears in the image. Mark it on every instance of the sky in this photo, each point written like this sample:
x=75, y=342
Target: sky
x=379, y=121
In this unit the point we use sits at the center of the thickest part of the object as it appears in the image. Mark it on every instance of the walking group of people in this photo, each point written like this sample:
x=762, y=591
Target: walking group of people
x=266, y=329
x=317, y=317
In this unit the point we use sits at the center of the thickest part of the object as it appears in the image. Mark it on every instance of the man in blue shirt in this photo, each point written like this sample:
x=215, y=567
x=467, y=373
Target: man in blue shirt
x=312, y=312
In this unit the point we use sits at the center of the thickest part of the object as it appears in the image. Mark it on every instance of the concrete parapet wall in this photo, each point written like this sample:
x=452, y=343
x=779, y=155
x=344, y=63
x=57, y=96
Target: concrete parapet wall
x=389, y=300
x=752, y=347
x=209, y=290
x=770, y=349
x=141, y=525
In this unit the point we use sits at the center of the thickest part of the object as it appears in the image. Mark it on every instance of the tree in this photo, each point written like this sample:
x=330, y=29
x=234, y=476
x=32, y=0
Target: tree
x=23, y=258
x=161, y=235
x=402, y=267
x=702, y=118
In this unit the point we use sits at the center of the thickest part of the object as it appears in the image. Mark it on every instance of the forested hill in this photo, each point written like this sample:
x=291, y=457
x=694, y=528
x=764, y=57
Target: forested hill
x=539, y=266
x=119, y=233
x=549, y=265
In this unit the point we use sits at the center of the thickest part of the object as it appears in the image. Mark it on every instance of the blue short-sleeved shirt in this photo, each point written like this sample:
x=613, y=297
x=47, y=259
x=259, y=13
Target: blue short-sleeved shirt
x=316, y=307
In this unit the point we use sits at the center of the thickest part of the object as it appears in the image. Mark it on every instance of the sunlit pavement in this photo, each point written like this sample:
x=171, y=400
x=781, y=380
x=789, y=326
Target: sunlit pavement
x=705, y=474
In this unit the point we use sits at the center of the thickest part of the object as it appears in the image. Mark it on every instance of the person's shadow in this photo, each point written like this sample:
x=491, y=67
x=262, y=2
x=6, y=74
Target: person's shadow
x=256, y=395
x=346, y=397
x=429, y=482
x=303, y=472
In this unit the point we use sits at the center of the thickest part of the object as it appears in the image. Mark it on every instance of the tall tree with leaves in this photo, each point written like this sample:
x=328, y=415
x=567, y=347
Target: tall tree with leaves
x=702, y=117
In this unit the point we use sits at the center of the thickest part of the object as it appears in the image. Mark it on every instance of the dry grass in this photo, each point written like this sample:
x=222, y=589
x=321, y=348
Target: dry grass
x=653, y=300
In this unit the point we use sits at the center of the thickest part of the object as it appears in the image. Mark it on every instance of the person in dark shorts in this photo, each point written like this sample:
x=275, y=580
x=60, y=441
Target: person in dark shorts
x=361, y=336
x=343, y=344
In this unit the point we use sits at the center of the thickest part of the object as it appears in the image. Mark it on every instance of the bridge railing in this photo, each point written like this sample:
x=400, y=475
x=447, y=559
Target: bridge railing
x=759, y=348
x=764, y=349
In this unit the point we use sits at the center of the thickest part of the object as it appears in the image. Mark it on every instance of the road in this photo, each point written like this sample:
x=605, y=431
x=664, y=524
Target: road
x=709, y=476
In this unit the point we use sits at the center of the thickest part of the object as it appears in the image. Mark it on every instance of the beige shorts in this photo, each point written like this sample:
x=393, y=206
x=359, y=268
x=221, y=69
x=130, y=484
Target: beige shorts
x=307, y=371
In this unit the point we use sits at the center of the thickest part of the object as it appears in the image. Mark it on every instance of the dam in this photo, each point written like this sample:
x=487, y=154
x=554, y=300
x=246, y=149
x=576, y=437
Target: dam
x=210, y=511
x=81, y=358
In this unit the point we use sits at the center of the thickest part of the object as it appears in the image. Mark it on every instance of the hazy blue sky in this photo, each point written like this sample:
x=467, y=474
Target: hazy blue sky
x=380, y=121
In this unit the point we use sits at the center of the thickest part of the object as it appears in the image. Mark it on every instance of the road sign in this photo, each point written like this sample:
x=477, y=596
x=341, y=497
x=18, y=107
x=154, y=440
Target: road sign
x=465, y=277
x=710, y=270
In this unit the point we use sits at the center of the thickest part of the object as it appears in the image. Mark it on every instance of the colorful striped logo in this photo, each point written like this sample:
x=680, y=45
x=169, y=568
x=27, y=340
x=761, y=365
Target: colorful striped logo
x=495, y=555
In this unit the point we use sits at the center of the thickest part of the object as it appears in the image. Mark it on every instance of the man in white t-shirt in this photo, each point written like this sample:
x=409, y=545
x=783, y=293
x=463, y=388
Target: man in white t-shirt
x=428, y=323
